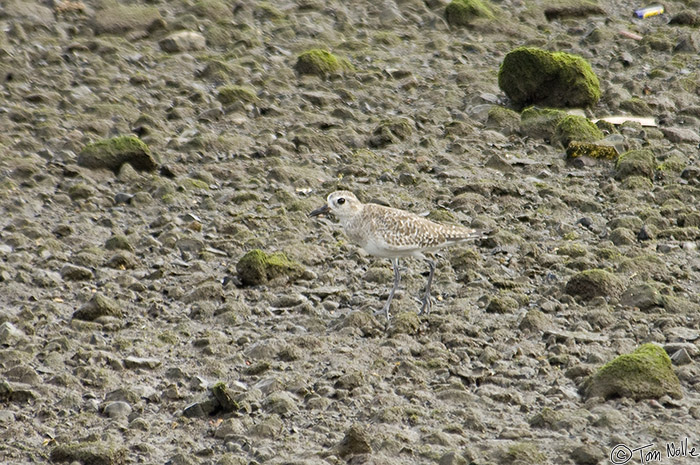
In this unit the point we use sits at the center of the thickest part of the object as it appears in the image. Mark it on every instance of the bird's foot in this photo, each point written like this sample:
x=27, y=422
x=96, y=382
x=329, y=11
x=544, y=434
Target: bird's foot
x=427, y=305
x=384, y=311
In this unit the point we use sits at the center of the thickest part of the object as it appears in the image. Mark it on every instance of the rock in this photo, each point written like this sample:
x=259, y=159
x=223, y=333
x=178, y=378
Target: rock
x=452, y=458
x=10, y=334
x=503, y=119
x=502, y=304
x=576, y=128
x=523, y=452
x=117, y=409
x=183, y=41
x=646, y=373
x=592, y=283
x=140, y=362
x=635, y=163
x=622, y=236
x=535, y=320
x=113, y=153
x=686, y=18
x=76, y=273
x=463, y=12
x=118, y=242
x=681, y=135
x=356, y=441
x=97, y=453
x=281, y=403
x=404, y=323
x=540, y=123
x=576, y=149
x=97, y=307
x=321, y=63
x=577, y=10
x=643, y=296
x=224, y=398
x=529, y=75
x=391, y=132
x=256, y=267
x=80, y=191
x=228, y=95
x=588, y=454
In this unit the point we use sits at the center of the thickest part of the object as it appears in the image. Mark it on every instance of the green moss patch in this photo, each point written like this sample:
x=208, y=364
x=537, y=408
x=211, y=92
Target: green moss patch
x=576, y=128
x=463, y=12
x=256, y=267
x=529, y=75
x=113, y=153
x=576, y=149
x=229, y=95
x=320, y=62
x=391, y=132
x=635, y=163
x=646, y=373
x=593, y=283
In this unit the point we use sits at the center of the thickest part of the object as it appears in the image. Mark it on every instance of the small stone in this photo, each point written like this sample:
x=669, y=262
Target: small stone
x=281, y=403
x=118, y=409
x=183, y=41
x=587, y=454
x=356, y=441
x=592, y=283
x=10, y=334
x=101, y=453
x=76, y=273
x=97, y=307
x=139, y=362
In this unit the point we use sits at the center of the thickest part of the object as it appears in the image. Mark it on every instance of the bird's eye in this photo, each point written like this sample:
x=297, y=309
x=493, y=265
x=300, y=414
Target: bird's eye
x=341, y=201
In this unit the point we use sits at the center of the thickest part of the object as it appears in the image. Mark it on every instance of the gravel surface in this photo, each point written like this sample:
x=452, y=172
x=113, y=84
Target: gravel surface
x=130, y=331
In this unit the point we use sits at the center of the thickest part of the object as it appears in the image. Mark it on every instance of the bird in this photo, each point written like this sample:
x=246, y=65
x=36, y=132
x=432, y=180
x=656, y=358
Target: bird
x=393, y=233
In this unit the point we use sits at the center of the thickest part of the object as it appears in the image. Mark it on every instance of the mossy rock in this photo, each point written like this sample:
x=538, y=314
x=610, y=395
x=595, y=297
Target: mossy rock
x=113, y=153
x=635, y=163
x=93, y=453
x=503, y=119
x=405, y=323
x=502, y=304
x=646, y=373
x=572, y=250
x=636, y=106
x=463, y=12
x=540, y=123
x=593, y=283
x=622, y=236
x=576, y=128
x=98, y=306
x=529, y=75
x=576, y=149
x=321, y=63
x=390, y=132
x=120, y=18
x=637, y=183
x=688, y=233
x=229, y=95
x=256, y=267
x=523, y=452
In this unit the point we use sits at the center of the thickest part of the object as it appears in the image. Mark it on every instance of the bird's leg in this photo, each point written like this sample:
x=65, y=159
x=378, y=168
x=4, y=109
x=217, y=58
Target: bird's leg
x=397, y=279
x=426, y=298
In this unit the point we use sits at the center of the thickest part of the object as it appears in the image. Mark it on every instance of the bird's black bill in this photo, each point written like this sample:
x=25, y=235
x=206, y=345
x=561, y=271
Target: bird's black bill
x=320, y=211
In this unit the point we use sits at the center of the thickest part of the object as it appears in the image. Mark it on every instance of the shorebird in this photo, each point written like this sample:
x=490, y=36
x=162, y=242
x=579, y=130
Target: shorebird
x=392, y=233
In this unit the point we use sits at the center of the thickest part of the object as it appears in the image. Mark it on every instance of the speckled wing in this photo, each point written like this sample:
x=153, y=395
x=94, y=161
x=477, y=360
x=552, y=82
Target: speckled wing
x=392, y=232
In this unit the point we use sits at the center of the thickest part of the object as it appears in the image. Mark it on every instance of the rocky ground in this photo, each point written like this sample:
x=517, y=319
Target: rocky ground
x=128, y=336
